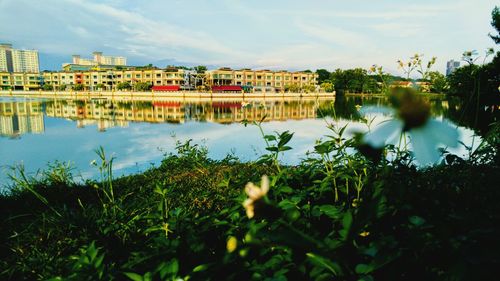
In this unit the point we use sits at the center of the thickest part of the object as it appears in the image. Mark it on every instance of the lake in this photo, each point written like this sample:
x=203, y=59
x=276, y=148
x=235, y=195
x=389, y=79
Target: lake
x=34, y=132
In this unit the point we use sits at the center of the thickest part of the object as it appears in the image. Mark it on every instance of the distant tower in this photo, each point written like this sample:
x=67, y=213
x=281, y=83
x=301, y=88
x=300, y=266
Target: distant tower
x=97, y=57
x=451, y=66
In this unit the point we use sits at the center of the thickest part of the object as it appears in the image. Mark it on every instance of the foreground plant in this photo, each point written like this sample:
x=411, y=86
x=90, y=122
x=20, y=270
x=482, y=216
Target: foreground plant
x=412, y=116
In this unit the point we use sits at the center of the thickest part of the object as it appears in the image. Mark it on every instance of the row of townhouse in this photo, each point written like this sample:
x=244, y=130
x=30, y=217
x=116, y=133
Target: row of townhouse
x=260, y=78
x=19, y=81
x=109, y=79
x=91, y=80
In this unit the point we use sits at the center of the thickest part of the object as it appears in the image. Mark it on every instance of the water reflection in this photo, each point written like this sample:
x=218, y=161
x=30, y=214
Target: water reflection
x=20, y=117
x=17, y=118
x=139, y=132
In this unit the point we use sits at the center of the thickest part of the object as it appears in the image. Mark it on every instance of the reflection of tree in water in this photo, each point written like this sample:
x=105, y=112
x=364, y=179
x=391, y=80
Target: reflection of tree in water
x=346, y=107
x=471, y=116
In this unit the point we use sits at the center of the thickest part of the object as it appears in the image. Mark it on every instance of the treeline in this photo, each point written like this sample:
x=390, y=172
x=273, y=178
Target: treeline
x=357, y=80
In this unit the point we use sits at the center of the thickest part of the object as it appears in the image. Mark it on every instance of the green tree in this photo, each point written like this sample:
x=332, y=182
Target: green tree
x=439, y=84
x=495, y=22
x=142, y=86
x=100, y=86
x=323, y=75
x=371, y=86
x=200, y=69
x=308, y=88
x=327, y=87
x=293, y=88
x=47, y=87
x=339, y=80
x=461, y=81
x=123, y=86
x=78, y=87
x=61, y=87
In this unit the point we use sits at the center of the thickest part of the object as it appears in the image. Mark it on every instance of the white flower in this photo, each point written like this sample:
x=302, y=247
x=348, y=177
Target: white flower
x=255, y=194
x=413, y=116
x=425, y=140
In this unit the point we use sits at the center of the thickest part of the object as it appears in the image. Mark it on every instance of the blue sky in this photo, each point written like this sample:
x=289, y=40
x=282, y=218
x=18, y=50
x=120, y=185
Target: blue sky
x=279, y=34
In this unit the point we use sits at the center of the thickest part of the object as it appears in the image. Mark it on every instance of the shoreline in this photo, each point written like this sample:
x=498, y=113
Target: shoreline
x=162, y=95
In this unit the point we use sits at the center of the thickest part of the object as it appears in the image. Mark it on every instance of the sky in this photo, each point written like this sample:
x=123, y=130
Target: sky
x=278, y=34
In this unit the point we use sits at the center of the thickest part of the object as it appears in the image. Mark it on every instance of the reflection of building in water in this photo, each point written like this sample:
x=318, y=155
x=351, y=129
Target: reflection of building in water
x=120, y=113
x=17, y=118
x=229, y=112
x=101, y=124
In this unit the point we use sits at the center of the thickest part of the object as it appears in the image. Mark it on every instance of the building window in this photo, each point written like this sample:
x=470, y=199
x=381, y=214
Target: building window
x=259, y=77
x=269, y=77
x=249, y=76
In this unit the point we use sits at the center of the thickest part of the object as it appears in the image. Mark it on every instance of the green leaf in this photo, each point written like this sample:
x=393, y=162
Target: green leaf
x=325, y=263
x=346, y=224
x=285, y=148
x=331, y=211
x=323, y=148
x=272, y=148
x=133, y=276
x=416, y=220
x=285, y=137
x=364, y=268
x=270, y=137
x=201, y=267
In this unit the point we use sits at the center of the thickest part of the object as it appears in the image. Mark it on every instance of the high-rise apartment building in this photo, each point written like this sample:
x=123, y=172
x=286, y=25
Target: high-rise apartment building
x=14, y=60
x=451, y=66
x=99, y=59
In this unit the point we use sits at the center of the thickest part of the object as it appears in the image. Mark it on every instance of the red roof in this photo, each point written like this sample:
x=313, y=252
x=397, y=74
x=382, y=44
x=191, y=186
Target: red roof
x=226, y=88
x=171, y=88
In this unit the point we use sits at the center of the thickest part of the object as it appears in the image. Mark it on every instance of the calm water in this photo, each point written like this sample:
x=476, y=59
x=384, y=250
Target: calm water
x=37, y=131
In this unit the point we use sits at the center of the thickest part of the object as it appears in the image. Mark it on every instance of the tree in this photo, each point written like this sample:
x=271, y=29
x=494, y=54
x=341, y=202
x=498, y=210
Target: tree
x=495, y=22
x=323, y=75
x=339, y=80
x=200, y=69
x=142, y=86
x=61, y=87
x=294, y=88
x=100, y=86
x=327, y=87
x=78, y=87
x=123, y=86
x=47, y=87
x=439, y=84
x=308, y=88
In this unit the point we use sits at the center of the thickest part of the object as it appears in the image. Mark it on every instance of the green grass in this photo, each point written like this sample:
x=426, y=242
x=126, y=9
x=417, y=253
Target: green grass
x=337, y=216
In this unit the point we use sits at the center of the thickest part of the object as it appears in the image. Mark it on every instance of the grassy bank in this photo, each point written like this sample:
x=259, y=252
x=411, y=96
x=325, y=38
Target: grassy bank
x=336, y=216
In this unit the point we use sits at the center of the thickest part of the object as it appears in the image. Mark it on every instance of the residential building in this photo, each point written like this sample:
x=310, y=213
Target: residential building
x=109, y=79
x=451, y=66
x=98, y=60
x=260, y=79
x=14, y=60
